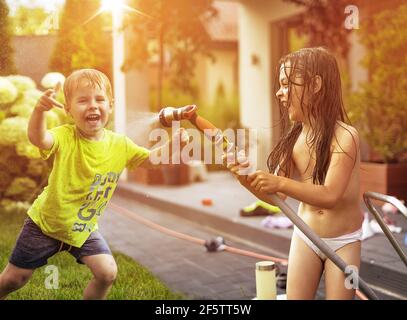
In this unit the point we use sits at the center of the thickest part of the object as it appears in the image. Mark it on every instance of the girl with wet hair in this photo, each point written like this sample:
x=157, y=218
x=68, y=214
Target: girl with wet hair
x=321, y=151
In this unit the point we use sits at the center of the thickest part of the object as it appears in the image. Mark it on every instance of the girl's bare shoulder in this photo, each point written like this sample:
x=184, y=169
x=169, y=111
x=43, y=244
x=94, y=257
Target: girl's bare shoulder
x=346, y=137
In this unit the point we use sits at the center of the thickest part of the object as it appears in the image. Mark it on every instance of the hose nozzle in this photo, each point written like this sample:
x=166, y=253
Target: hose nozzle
x=169, y=114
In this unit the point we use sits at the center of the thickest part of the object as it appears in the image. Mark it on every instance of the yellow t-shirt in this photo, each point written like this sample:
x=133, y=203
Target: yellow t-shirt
x=82, y=181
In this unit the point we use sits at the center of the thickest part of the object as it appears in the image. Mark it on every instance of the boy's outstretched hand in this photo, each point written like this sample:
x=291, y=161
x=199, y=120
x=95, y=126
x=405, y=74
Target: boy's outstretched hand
x=47, y=100
x=37, y=128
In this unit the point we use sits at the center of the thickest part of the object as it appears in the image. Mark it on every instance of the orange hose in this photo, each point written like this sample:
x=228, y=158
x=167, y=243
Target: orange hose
x=155, y=226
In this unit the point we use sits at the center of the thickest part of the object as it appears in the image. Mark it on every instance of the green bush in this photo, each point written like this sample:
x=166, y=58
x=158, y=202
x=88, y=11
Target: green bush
x=22, y=83
x=15, y=207
x=21, y=188
x=13, y=130
x=51, y=79
x=378, y=109
x=22, y=172
x=8, y=92
x=5, y=180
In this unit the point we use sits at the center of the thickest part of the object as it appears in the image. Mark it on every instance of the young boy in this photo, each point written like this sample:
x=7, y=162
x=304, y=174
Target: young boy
x=88, y=160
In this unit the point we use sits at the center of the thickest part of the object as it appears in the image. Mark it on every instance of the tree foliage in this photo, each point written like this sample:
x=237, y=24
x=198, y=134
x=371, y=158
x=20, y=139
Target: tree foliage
x=82, y=40
x=379, y=108
x=7, y=65
x=172, y=33
x=31, y=21
x=22, y=172
x=323, y=22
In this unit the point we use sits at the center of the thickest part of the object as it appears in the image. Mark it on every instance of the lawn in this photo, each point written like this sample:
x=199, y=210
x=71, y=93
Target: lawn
x=133, y=282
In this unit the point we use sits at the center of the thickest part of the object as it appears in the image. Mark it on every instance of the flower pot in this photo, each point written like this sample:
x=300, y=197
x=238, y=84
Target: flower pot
x=146, y=176
x=175, y=174
x=386, y=178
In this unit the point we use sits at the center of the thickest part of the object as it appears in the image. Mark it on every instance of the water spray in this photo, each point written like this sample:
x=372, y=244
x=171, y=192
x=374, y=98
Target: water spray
x=169, y=114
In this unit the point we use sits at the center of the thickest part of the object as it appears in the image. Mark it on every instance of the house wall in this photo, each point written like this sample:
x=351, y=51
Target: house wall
x=255, y=56
x=130, y=88
x=32, y=55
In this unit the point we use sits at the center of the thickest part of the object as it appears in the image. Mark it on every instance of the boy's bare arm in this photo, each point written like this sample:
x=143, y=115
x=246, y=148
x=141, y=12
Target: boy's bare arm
x=37, y=126
x=37, y=132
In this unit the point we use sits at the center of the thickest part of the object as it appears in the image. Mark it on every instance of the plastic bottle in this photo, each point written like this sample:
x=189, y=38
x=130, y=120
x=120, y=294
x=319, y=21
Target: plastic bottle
x=266, y=280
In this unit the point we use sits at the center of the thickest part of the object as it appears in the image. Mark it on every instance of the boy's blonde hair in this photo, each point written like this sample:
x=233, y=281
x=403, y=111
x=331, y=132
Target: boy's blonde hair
x=96, y=79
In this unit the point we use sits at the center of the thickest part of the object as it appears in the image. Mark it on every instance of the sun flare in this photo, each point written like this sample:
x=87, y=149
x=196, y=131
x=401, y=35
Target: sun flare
x=115, y=7
x=111, y=5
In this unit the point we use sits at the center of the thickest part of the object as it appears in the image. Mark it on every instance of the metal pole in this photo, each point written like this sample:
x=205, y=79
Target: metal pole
x=399, y=205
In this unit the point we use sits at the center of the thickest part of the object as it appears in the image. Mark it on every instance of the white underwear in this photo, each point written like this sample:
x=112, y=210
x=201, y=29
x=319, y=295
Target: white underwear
x=334, y=243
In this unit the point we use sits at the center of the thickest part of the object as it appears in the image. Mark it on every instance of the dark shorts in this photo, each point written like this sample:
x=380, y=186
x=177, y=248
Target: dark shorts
x=33, y=248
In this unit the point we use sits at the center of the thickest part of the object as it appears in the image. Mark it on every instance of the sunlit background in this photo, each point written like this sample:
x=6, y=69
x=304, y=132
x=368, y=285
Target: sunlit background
x=48, y=5
x=220, y=56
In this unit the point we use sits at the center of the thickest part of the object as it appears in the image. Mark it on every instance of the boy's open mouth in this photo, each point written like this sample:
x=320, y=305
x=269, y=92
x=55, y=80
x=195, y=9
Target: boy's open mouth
x=93, y=118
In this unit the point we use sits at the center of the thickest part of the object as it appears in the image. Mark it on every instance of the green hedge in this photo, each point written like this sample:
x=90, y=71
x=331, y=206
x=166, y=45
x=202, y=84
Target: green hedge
x=22, y=172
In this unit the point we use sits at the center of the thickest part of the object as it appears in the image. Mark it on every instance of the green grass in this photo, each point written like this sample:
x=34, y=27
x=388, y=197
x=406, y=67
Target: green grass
x=133, y=282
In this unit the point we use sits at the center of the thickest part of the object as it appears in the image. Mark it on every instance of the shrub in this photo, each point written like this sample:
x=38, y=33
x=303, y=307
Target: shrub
x=8, y=92
x=22, y=172
x=51, y=79
x=13, y=130
x=21, y=188
x=22, y=83
x=15, y=207
x=378, y=109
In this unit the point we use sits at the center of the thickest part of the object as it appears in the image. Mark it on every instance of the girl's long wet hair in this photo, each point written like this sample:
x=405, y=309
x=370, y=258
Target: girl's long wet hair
x=324, y=109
